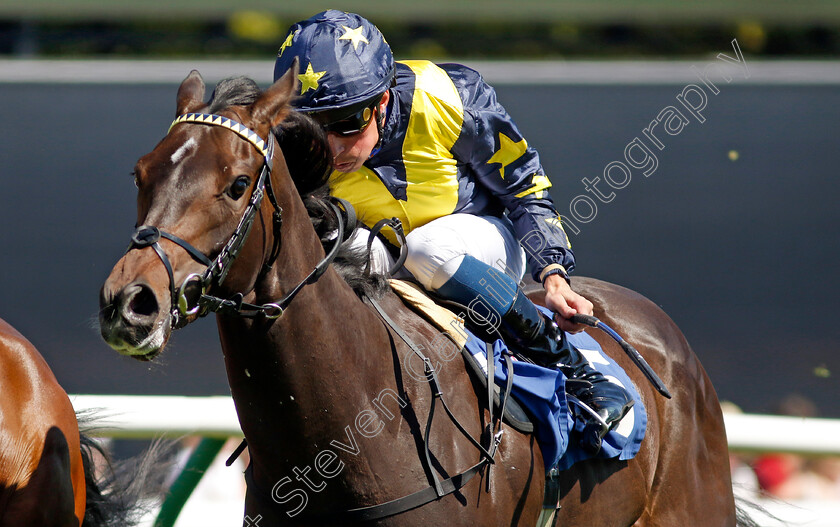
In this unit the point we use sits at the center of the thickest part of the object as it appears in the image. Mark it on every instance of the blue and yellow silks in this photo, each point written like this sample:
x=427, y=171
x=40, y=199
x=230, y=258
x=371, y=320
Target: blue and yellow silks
x=449, y=147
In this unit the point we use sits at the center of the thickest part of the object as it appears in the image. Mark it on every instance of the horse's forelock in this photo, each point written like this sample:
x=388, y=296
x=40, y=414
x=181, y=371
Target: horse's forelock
x=233, y=91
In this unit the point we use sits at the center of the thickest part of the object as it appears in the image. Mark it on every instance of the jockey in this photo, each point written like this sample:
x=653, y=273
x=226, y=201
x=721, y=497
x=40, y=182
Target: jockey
x=445, y=158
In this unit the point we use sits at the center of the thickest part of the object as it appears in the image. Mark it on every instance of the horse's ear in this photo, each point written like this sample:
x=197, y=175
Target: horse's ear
x=273, y=106
x=190, y=94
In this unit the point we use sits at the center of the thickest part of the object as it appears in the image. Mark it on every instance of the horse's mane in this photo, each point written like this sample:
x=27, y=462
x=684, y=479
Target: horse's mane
x=307, y=154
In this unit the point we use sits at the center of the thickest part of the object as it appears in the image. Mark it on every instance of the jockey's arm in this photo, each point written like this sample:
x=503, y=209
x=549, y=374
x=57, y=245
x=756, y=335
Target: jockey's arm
x=511, y=170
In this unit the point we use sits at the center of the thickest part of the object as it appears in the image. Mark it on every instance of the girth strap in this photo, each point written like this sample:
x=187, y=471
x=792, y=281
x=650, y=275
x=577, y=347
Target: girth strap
x=440, y=488
x=503, y=398
x=414, y=500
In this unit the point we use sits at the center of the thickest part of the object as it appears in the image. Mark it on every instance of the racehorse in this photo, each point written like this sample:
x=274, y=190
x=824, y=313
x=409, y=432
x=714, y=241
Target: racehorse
x=333, y=420
x=46, y=466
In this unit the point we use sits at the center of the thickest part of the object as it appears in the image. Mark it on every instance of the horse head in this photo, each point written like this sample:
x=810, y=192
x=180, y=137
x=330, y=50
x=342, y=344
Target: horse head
x=200, y=212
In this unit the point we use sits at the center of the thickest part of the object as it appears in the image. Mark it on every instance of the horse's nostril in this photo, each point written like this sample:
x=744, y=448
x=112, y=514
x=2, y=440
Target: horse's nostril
x=141, y=302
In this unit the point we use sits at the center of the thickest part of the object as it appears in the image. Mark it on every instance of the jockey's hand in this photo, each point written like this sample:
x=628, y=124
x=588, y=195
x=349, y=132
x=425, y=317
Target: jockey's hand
x=564, y=302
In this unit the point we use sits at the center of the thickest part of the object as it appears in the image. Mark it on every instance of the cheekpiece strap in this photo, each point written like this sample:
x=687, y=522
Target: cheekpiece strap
x=237, y=128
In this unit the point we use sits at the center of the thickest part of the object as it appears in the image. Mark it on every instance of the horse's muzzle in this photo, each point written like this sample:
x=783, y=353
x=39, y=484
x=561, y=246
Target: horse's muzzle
x=130, y=321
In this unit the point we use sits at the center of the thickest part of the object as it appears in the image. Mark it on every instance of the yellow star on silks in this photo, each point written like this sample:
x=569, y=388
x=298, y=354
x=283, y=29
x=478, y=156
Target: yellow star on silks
x=287, y=42
x=309, y=79
x=508, y=152
x=354, y=35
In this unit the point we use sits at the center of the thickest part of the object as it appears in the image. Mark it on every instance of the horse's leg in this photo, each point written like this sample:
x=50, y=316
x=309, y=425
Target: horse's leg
x=46, y=499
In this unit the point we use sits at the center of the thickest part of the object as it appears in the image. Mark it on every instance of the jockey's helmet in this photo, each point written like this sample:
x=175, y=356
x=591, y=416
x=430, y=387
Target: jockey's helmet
x=345, y=67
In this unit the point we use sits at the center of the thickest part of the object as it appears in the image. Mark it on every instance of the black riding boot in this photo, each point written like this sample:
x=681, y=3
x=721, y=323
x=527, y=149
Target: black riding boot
x=540, y=340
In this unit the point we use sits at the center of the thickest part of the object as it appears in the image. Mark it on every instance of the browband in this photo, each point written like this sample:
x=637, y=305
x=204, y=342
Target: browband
x=237, y=128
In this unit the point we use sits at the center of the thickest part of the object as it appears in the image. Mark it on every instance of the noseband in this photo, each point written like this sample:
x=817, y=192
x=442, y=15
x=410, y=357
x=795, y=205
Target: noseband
x=217, y=269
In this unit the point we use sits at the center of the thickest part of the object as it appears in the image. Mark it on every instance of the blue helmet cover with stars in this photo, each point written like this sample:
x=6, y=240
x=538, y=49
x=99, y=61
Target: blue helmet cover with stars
x=344, y=61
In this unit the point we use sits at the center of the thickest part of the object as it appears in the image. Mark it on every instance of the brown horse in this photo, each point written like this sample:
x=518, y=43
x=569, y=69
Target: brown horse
x=42, y=474
x=333, y=419
x=46, y=469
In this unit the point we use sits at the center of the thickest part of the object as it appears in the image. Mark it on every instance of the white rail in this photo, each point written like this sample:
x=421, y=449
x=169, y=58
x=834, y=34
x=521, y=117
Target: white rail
x=772, y=433
x=129, y=416
x=146, y=416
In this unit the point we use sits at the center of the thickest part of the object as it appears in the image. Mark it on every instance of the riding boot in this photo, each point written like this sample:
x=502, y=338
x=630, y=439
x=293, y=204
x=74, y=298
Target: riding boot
x=601, y=404
x=527, y=331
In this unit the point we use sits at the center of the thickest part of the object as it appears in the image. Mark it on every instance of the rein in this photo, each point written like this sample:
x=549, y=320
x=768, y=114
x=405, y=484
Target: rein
x=184, y=301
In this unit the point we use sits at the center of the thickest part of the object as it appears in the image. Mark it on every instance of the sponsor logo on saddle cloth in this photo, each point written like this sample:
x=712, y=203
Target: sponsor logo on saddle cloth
x=542, y=390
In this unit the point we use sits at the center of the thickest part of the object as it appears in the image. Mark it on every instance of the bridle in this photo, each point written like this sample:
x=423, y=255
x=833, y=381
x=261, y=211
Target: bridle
x=185, y=302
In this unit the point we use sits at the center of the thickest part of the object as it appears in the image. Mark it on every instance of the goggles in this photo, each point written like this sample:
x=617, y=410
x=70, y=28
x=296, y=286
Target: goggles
x=350, y=125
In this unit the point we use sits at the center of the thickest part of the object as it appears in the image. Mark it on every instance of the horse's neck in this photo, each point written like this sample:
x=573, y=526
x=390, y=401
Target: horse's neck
x=292, y=377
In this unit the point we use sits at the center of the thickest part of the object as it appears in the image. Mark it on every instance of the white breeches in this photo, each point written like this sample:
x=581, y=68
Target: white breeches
x=447, y=240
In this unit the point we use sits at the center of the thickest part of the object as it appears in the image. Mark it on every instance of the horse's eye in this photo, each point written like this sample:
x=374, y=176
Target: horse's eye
x=239, y=186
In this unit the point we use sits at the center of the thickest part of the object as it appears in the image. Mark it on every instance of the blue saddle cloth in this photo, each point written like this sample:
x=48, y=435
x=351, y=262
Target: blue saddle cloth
x=542, y=391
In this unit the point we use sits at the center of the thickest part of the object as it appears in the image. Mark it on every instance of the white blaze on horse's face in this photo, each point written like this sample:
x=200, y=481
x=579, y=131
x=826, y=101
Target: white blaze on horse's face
x=183, y=150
